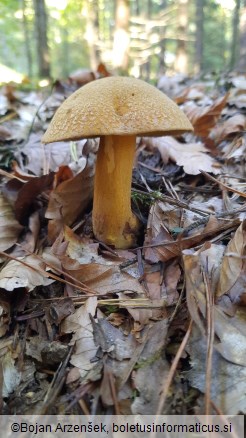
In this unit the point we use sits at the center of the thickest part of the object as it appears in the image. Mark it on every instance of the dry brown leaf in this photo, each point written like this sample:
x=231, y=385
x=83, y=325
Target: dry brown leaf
x=15, y=274
x=161, y=215
x=10, y=374
x=9, y=227
x=71, y=197
x=102, y=278
x=228, y=381
x=153, y=369
x=42, y=158
x=30, y=239
x=153, y=282
x=231, y=126
x=192, y=156
x=4, y=318
x=80, y=324
x=195, y=92
x=5, y=134
x=231, y=332
x=81, y=77
x=235, y=150
x=170, y=281
x=159, y=245
x=233, y=269
x=239, y=82
x=204, y=119
x=98, y=273
x=28, y=194
x=209, y=258
x=81, y=249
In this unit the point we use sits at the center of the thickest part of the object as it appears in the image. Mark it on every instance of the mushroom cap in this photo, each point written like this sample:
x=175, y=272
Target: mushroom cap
x=116, y=106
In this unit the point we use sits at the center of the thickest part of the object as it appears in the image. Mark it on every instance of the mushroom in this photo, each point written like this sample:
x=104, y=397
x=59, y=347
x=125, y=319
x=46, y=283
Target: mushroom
x=116, y=109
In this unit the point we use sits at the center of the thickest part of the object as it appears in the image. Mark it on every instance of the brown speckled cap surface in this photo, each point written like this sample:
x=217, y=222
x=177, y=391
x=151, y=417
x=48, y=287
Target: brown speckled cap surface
x=116, y=106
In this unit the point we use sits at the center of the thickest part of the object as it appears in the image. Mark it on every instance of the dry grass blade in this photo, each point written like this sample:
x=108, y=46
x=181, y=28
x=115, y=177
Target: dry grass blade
x=56, y=384
x=210, y=338
x=167, y=383
x=222, y=185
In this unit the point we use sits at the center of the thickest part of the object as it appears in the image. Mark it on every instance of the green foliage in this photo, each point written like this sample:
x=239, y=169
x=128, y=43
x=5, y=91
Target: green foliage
x=68, y=27
x=68, y=47
x=217, y=34
x=11, y=36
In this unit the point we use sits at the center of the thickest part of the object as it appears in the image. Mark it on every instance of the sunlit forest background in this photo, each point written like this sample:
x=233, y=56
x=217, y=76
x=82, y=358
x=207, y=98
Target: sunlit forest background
x=143, y=38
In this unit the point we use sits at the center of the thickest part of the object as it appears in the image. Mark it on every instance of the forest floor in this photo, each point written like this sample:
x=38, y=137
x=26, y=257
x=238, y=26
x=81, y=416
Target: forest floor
x=155, y=329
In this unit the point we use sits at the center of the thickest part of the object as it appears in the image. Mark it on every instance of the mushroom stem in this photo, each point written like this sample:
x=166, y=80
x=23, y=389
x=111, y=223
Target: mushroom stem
x=113, y=220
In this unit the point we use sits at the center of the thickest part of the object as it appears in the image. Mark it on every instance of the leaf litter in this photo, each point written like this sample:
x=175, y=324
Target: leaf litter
x=104, y=327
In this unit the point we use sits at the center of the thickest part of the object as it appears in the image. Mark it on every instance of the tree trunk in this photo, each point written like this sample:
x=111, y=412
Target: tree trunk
x=199, y=36
x=42, y=40
x=235, y=34
x=27, y=39
x=181, y=61
x=242, y=40
x=148, y=63
x=92, y=29
x=162, y=66
x=121, y=36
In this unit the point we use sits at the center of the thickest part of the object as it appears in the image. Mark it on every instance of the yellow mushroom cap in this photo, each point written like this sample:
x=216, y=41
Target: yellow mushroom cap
x=116, y=106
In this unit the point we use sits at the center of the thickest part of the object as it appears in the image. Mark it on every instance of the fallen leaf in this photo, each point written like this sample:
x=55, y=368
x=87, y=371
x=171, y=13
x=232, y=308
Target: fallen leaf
x=209, y=257
x=161, y=215
x=28, y=194
x=171, y=277
x=46, y=351
x=152, y=368
x=9, y=227
x=230, y=332
x=71, y=197
x=232, y=126
x=29, y=275
x=203, y=119
x=81, y=249
x=159, y=245
x=80, y=324
x=102, y=278
x=239, y=82
x=42, y=158
x=228, y=381
x=233, y=270
x=235, y=150
x=5, y=134
x=117, y=350
x=60, y=310
x=193, y=157
x=4, y=318
x=11, y=375
x=81, y=77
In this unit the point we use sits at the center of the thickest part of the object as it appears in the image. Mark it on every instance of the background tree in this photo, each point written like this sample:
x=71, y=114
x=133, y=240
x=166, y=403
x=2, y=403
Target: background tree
x=199, y=36
x=138, y=37
x=235, y=34
x=27, y=38
x=121, y=42
x=242, y=40
x=91, y=33
x=181, y=61
x=41, y=38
